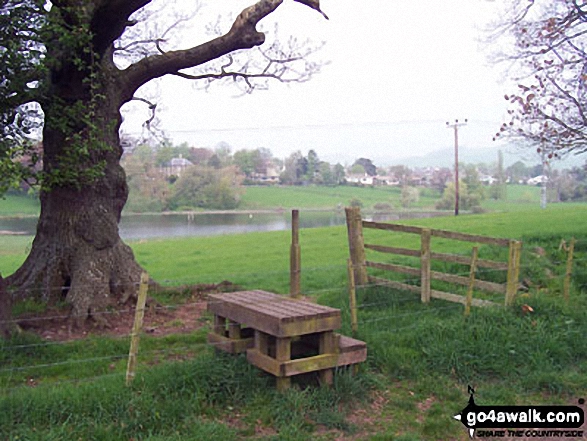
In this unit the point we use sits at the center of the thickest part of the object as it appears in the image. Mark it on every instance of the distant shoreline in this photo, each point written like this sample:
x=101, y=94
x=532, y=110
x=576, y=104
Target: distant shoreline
x=256, y=211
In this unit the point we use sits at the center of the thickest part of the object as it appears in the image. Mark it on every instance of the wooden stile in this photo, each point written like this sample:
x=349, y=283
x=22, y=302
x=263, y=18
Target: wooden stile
x=569, y=270
x=356, y=244
x=352, y=298
x=471, y=280
x=515, y=248
x=283, y=354
x=136, y=329
x=425, y=254
x=295, y=256
x=425, y=265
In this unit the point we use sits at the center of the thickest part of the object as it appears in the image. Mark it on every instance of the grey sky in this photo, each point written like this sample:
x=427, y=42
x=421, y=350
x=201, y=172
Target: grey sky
x=398, y=70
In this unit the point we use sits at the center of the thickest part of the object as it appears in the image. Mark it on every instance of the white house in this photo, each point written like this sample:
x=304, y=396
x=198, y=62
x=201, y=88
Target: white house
x=360, y=179
x=537, y=180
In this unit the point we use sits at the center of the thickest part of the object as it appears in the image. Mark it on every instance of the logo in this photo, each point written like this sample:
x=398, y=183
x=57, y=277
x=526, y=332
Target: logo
x=530, y=419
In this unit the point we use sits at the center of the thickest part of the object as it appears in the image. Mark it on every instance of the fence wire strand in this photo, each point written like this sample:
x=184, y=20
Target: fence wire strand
x=372, y=313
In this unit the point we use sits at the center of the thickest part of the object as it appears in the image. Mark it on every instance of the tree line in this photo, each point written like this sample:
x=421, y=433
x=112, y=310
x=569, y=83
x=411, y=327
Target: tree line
x=168, y=177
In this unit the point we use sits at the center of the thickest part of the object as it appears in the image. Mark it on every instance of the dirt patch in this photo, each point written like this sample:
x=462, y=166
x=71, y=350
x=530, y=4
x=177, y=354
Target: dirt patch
x=184, y=316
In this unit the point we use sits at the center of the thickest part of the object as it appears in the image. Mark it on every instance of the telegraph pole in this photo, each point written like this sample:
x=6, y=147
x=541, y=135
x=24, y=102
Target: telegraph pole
x=456, y=126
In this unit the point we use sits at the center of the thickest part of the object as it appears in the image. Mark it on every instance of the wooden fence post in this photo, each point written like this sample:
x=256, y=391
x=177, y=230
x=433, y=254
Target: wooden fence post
x=352, y=298
x=513, y=271
x=356, y=244
x=295, y=256
x=136, y=329
x=425, y=265
x=471, y=281
x=569, y=270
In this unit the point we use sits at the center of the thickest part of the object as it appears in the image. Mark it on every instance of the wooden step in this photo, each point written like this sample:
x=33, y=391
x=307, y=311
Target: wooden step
x=351, y=351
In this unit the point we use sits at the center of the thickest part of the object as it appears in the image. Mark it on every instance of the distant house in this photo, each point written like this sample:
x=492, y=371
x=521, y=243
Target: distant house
x=487, y=179
x=537, y=180
x=386, y=180
x=364, y=179
x=270, y=175
x=176, y=166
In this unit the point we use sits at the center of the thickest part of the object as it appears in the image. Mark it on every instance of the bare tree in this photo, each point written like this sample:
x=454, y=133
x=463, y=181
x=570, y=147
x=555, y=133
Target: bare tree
x=75, y=75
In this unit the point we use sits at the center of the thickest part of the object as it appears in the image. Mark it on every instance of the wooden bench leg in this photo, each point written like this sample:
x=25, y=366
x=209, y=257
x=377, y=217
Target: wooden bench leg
x=327, y=346
x=234, y=330
x=219, y=325
x=283, y=353
x=261, y=342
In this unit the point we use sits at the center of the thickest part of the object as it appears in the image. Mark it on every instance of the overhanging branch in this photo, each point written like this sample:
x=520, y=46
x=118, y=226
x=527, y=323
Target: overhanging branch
x=242, y=35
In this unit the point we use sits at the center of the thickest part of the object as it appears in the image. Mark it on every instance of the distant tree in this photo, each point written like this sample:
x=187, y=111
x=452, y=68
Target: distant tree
x=467, y=200
x=498, y=190
x=357, y=169
x=167, y=151
x=313, y=166
x=440, y=178
x=570, y=185
x=148, y=186
x=326, y=175
x=409, y=196
x=339, y=174
x=472, y=181
x=293, y=169
x=247, y=161
x=224, y=153
x=214, y=161
x=199, y=155
x=206, y=187
x=253, y=161
x=517, y=172
x=368, y=166
x=401, y=173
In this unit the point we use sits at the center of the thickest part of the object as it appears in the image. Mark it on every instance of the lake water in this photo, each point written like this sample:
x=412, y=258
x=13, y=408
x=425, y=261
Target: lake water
x=146, y=226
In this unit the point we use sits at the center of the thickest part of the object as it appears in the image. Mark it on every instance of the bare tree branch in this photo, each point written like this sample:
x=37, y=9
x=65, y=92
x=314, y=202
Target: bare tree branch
x=242, y=35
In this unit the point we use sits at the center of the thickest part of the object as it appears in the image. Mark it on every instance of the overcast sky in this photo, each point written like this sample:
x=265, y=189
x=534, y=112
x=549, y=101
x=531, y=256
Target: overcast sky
x=399, y=69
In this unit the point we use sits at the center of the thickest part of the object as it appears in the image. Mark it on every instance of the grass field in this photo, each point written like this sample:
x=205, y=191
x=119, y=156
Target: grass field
x=273, y=197
x=17, y=205
x=421, y=357
x=519, y=197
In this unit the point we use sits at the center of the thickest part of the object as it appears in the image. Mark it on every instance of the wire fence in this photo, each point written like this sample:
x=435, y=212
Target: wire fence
x=78, y=360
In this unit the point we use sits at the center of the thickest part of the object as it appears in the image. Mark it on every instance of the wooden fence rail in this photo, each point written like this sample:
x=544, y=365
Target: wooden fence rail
x=360, y=264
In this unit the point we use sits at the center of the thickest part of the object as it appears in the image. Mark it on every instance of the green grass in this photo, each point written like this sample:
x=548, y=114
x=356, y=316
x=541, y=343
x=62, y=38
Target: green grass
x=18, y=205
x=519, y=197
x=273, y=197
x=421, y=357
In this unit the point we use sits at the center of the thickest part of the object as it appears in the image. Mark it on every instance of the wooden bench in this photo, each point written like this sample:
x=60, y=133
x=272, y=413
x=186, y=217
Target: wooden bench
x=282, y=336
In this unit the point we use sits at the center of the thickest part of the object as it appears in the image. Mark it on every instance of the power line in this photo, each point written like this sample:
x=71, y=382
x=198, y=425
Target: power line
x=334, y=125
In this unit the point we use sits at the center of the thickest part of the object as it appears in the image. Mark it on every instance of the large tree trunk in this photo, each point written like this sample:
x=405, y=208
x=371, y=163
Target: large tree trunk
x=77, y=254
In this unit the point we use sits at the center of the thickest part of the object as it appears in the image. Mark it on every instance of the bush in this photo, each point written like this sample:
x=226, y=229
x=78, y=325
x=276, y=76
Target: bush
x=356, y=203
x=467, y=200
x=409, y=196
x=205, y=187
x=383, y=207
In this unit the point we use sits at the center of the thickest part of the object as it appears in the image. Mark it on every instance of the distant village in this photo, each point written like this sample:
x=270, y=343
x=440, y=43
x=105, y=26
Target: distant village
x=260, y=167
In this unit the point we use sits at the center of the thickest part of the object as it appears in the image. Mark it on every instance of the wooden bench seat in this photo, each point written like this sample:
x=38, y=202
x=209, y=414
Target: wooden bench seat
x=282, y=336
